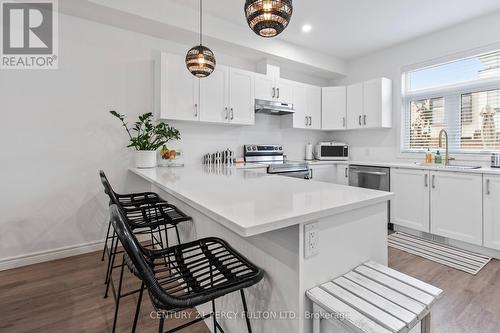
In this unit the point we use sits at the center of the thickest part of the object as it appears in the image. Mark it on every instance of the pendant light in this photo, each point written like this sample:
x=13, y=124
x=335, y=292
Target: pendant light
x=200, y=60
x=268, y=18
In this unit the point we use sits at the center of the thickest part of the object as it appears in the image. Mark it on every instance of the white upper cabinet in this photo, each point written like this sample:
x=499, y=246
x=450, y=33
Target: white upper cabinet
x=411, y=204
x=307, y=105
x=491, y=211
x=214, y=96
x=284, y=90
x=265, y=87
x=457, y=206
x=369, y=104
x=241, y=97
x=377, y=103
x=333, y=108
x=226, y=96
x=355, y=106
x=179, y=90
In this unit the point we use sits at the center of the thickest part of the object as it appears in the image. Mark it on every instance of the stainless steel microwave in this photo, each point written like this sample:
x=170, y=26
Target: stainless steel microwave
x=331, y=151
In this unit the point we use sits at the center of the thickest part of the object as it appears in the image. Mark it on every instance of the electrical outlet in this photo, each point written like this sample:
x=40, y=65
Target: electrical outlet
x=311, y=240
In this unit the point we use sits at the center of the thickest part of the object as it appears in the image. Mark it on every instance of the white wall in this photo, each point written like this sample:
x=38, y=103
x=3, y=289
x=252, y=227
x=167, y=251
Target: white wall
x=57, y=133
x=377, y=145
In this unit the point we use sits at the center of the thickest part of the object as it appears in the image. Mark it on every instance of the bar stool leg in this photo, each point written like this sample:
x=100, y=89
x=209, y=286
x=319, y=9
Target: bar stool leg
x=214, y=316
x=118, y=295
x=106, y=241
x=138, y=308
x=160, y=325
x=243, y=299
x=111, y=264
x=425, y=325
x=110, y=255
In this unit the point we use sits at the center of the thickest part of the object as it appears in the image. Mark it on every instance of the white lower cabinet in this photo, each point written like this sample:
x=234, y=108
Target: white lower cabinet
x=324, y=173
x=343, y=174
x=410, y=206
x=491, y=211
x=456, y=206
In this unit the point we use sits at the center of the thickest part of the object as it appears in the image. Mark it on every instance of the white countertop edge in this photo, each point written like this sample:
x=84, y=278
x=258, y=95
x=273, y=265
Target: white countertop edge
x=407, y=165
x=271, y=226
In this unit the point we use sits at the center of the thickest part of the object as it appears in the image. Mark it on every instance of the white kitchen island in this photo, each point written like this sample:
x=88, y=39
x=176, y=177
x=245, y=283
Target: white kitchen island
x=264, y=218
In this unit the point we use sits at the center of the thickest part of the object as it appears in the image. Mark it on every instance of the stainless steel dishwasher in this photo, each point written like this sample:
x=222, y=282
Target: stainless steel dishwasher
x=375, y=178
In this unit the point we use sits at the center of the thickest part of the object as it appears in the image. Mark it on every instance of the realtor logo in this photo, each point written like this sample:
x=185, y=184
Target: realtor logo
x=29, y=34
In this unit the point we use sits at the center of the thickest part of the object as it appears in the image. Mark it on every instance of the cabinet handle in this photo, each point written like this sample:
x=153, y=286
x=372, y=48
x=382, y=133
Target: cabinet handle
x=278, y=89
x=488, y=192
x=346, y=174
x=274, y=92
x=196, y=110
x=426, y=180
x=232, y=113
x=359, y=120
x=226, y=113
x=343, y=122
x=310, y=120
x=433, y=181
x=307, y=121
x=364, y=119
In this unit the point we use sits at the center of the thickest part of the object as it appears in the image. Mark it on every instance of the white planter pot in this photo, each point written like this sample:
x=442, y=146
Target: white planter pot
x=145, y=159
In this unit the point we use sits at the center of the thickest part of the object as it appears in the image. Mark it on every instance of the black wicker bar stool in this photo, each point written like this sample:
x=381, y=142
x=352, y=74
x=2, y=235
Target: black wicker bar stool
x=126, y=200
x=198, y=272
x=152, y=218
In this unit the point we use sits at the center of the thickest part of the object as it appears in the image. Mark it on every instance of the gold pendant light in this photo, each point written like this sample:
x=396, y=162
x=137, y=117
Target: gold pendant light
x=268, y=18
x=200, y=60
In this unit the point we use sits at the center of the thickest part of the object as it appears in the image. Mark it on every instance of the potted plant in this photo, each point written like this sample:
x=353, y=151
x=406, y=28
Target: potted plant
x=147, y=137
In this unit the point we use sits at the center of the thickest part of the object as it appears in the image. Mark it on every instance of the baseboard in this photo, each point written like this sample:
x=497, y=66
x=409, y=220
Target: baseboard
x=43, y=256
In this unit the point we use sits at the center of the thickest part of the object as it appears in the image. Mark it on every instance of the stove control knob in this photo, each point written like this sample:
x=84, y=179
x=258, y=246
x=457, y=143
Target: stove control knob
x=281, y=148
x=254, y=148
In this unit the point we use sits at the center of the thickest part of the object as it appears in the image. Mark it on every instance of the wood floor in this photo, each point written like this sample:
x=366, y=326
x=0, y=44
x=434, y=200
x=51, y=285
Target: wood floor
x=66, y=296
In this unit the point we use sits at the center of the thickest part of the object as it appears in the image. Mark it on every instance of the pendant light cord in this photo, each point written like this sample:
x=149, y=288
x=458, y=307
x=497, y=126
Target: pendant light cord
x=201, y=22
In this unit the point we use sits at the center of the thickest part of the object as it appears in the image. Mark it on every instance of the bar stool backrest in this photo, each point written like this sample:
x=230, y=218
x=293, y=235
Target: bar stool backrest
x=108, y=189
x=135, y=253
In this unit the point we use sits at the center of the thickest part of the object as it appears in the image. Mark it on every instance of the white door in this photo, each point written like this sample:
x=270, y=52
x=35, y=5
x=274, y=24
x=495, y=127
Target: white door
x=456, y=206
x=410, y=206
x=214, y=96
x=333, y=108
x=314, y=106
x=342, y=174
x=179, y=90
x=355, y=106
x=284, y=91
x=301, y=116
x=264, y=87
x=242, y=97
x=324, y=173
x=491, y=211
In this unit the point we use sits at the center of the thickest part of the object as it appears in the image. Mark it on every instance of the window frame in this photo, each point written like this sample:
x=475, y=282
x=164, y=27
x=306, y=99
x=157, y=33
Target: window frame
x=452, y=95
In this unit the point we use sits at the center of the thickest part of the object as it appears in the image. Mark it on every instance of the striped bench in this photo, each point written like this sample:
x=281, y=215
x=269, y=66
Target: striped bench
x=373, y=298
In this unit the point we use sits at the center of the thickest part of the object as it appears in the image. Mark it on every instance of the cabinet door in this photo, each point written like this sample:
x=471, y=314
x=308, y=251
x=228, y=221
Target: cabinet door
x=324, y=173
x=333, y=108
x=410, y=206
x=264, y=87
x=355, y=106
x=214, y=96
x=456, y=206
x=314, y=106
x=377, y=103
x=242, y=97
x=179, y=90
x=491, y=211
x=284, y=90
x=342, y=174
x=301, y=116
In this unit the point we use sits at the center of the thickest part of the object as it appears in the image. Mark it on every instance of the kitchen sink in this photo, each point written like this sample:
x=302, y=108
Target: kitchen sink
x=450, y=166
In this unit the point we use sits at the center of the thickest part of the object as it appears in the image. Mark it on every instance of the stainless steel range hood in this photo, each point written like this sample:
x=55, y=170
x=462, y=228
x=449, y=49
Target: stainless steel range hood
x=273, y=107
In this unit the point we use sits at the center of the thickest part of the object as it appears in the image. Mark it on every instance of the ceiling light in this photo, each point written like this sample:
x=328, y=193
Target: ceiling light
x=306, y=28
x=268, y=18
x=200, y=60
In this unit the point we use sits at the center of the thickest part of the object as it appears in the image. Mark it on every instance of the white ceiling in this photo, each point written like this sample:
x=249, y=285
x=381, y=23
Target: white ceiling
x=352, y=28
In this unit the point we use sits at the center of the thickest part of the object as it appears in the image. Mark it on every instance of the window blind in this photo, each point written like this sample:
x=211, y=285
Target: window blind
x=461, y=97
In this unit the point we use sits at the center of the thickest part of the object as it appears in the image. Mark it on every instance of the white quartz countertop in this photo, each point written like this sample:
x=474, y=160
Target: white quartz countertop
x=250, y=203
x=433, y=167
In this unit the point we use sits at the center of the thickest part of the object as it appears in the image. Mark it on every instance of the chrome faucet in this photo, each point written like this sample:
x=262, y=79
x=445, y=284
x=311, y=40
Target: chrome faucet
x=447, y=157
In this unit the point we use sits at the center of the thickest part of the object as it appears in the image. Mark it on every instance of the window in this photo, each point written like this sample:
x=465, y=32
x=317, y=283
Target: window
x=461, y=97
